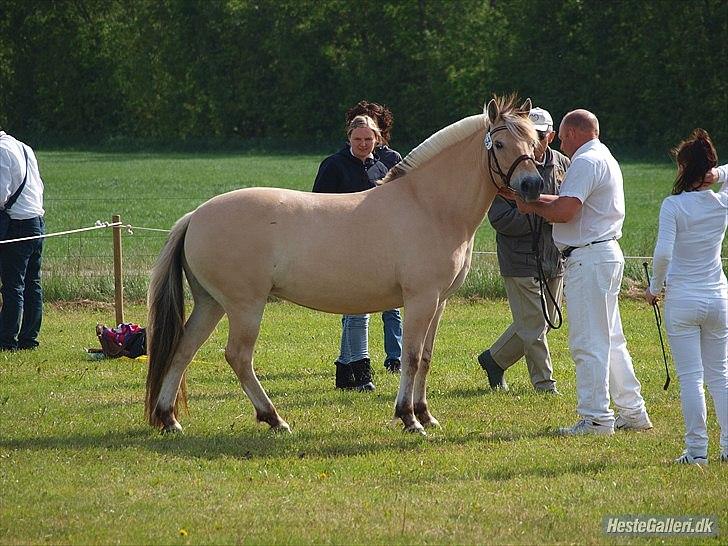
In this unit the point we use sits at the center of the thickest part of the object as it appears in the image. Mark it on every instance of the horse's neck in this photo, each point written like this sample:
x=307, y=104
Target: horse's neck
x=453, y=187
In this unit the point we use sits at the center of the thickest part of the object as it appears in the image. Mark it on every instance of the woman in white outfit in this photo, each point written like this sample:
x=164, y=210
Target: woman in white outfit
x=687, y=260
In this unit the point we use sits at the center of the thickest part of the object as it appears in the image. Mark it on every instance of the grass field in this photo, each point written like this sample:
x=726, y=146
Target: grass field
x=154, y=190
x=78, y=465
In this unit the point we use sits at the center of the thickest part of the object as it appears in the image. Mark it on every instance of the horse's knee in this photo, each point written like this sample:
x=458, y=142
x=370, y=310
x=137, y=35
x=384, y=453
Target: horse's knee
x=427, y=353
x=412, y=363
x=425, y=364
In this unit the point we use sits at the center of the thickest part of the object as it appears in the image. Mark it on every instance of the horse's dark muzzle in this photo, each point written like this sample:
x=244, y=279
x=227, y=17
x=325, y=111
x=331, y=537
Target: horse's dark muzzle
x=531, y=188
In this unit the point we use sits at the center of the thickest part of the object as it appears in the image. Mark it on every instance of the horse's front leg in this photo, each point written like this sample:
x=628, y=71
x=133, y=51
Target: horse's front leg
x=418, y=316
x=420, y=385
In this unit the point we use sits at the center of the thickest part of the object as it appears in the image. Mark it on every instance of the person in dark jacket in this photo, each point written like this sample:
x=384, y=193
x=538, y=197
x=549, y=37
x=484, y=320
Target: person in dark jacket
x=526, y=336
x=352, y=169
x=391, y=319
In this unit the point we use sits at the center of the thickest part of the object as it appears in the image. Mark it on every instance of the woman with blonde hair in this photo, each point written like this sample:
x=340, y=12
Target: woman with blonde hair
x=352, y=169
x=687, y=260
x=391, y=319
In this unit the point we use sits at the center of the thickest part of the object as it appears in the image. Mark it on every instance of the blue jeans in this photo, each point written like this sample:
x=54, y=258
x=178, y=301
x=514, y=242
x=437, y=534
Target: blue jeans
x=354, y=336
x=392, y=334
x=22, y=310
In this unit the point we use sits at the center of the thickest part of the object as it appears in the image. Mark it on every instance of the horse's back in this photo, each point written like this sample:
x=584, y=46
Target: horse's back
x=319, y=250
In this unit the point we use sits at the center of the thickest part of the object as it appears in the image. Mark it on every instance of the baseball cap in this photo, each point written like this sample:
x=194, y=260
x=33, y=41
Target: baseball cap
x=541, y=119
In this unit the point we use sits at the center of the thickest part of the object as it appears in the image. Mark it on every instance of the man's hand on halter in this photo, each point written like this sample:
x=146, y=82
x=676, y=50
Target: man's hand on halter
x=513, y=196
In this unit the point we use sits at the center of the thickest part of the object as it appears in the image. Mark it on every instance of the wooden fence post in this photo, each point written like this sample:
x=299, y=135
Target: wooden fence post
x=118, y=277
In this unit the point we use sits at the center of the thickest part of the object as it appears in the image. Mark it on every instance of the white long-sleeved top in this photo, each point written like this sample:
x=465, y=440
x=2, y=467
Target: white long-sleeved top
x=687, y=253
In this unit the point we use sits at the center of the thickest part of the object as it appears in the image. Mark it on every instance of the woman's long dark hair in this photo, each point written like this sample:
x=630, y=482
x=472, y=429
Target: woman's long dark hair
x=379, y=113
x=695, y=157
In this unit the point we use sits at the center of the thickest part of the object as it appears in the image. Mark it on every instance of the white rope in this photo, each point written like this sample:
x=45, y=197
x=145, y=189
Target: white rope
x=130, y=229
x=99, y=225
x=492, y=253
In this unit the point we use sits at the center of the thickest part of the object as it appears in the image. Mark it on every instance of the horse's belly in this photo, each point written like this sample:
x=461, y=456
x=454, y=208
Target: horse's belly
x=342, y=293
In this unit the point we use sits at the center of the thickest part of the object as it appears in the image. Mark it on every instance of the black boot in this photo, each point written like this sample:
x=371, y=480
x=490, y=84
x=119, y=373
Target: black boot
x=393, y=365
x=363, y=375
x=495, y=372
x=344, y=376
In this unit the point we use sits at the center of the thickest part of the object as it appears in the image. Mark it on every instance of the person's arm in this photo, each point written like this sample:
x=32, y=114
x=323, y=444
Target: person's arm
x=6, y=176
x=507, y=220
x=662, y=255
x=722, y=176
x=327, y=178
x=555, y=209
x=576, y=187
x=718, y=174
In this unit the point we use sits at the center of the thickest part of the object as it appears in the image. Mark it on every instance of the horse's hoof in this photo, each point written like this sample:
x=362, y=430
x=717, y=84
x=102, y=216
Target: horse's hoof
x=430, y=423
x=172, y=429
x=416, y=429
x=281, y=428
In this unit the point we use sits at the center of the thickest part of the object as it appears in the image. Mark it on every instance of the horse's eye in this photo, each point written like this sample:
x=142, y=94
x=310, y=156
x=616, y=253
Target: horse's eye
x=498, y=144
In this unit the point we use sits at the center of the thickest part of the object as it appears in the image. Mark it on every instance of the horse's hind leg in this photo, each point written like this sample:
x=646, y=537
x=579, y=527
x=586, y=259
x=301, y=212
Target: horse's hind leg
x=202, y=321
x=417, y=319
x=244, y=328
x=420, y=386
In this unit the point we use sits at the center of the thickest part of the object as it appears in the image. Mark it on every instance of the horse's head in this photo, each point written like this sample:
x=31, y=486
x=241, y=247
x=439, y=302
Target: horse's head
x=509, y=142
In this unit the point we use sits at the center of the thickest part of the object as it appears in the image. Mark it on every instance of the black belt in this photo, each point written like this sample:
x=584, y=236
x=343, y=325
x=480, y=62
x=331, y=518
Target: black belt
x=569, y=249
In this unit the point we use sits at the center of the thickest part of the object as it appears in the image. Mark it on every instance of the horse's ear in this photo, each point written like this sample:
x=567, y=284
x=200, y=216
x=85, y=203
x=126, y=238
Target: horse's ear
x=525, y=107
x=492, y=110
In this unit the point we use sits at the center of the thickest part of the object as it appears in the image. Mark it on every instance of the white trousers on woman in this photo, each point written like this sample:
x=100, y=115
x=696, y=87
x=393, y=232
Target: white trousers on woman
x=597, y=344
x=698, y=333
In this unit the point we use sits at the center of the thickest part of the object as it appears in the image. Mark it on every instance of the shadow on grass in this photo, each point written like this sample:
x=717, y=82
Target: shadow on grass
x=260, y=446
x=245, y=442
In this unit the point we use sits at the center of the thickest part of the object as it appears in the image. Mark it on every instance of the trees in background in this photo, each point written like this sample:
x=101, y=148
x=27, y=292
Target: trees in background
x=171, y=70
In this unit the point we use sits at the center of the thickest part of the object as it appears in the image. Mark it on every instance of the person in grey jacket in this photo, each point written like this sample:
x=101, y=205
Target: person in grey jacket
x=526, y=336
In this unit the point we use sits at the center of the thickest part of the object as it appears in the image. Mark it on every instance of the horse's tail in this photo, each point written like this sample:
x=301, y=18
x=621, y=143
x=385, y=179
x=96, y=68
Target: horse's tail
x=165, y=326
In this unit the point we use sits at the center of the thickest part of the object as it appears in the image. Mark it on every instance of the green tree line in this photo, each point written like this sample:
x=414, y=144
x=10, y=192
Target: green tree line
x=89, y=71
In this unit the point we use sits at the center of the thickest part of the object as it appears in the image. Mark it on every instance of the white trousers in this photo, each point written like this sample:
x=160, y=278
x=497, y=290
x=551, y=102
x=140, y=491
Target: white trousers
x=596, y=341
x=698, y=333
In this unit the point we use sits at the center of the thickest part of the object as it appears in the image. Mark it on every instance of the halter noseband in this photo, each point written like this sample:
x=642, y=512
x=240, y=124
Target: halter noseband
x=493, y=160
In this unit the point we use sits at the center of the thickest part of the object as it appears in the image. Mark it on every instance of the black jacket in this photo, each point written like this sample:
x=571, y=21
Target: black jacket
x=516, y=257
x=344, y=173
x=388, y=156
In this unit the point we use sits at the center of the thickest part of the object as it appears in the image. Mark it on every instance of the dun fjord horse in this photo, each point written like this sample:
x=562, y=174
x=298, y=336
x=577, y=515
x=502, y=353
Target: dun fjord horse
x=407, y=242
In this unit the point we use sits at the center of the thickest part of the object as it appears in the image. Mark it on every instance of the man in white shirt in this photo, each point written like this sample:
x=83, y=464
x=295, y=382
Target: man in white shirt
x=21, y=199
x=588, y=216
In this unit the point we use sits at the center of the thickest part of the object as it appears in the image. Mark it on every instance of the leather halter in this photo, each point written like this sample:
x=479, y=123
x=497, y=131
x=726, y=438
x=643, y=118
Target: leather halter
x=493, y=160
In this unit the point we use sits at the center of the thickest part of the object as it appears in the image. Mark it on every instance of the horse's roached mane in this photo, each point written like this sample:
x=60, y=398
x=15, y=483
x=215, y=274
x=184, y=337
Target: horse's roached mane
x=508, y=112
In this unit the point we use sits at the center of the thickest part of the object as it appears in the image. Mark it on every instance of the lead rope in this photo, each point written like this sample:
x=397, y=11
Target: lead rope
x=536, y=225
x=658, y=321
